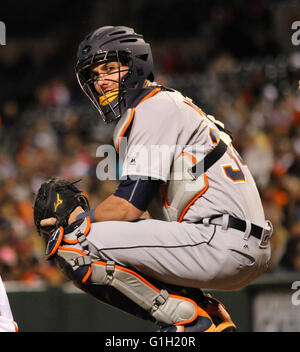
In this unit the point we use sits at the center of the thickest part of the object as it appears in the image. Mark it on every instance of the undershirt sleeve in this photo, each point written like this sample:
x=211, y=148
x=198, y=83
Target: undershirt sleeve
x=138, y=191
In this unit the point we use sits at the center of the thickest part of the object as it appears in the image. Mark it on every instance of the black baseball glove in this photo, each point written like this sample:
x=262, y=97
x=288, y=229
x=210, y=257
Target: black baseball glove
x=57, y=198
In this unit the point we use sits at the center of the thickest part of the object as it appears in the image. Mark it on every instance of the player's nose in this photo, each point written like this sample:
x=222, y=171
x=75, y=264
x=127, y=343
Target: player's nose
x=101, y=84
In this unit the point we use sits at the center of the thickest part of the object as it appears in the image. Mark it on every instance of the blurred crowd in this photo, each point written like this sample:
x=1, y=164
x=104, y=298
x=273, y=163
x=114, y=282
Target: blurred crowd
x=57, y=132
x=259, y=103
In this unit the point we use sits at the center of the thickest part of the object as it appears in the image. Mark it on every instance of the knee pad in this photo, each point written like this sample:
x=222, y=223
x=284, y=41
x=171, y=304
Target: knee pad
x=81, y=262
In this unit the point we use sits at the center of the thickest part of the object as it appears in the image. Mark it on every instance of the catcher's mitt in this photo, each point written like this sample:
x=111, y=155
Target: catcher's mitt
x=57, y=198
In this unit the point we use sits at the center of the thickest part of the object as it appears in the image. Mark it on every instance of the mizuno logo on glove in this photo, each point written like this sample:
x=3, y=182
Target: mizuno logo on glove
x=58, y=202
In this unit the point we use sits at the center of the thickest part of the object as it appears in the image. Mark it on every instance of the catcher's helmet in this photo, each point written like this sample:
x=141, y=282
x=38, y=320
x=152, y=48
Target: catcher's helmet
x=119, y=44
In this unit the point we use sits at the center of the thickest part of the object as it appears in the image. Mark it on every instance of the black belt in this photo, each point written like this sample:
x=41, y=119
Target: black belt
x=240, y=225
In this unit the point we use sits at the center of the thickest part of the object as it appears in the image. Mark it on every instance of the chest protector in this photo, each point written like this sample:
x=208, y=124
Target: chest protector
x=188, y=180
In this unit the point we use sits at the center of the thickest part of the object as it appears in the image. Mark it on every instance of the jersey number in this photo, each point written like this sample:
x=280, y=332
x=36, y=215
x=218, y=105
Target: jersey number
x=233, y=170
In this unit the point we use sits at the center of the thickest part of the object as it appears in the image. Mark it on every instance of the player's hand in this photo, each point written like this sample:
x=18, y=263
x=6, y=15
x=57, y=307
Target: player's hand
x=48, y=222
x=74, y=214
x=72, y=218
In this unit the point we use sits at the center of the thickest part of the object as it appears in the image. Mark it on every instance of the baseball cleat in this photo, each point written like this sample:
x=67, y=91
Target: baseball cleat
x=219, y=315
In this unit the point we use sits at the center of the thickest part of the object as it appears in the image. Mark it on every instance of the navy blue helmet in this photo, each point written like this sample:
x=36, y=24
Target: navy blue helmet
x=123, y=45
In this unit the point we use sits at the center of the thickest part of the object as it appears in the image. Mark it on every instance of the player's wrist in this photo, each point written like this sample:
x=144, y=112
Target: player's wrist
x=90, y=213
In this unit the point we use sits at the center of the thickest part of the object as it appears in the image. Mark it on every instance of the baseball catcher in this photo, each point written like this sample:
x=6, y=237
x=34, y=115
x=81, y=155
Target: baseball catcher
x=207, y=228
x=121, y=287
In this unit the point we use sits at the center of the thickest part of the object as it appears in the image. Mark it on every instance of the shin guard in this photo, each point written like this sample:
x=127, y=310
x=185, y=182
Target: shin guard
x=81, y=262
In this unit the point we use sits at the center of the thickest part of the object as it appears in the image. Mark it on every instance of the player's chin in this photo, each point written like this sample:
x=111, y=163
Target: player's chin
x=108, y=97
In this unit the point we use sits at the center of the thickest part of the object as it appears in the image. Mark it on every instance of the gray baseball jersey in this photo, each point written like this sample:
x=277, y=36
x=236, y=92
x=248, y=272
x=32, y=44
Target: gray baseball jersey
x=185, y=253
x=164, y=127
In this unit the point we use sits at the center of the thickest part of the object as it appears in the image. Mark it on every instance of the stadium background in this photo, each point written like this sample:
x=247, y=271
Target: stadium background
x=235, y=59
